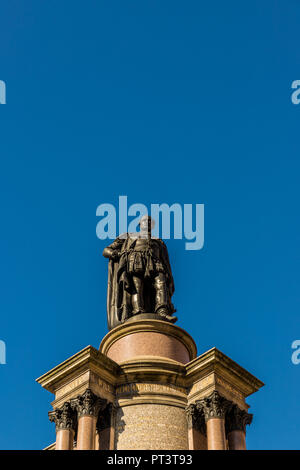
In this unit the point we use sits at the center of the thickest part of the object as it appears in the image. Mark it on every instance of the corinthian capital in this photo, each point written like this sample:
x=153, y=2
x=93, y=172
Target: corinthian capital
x=88, y=404
x=236, y=419
x=213, y=406
x=190, y=413
x=64, y=417
x=195, y=418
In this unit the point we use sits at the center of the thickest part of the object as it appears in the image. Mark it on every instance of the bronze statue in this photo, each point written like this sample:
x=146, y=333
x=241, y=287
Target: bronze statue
x=139, y=277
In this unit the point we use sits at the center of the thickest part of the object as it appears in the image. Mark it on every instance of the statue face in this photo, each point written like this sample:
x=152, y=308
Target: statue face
x=146, y=224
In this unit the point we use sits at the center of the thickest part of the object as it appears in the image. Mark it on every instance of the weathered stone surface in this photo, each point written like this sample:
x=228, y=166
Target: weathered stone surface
x=151, y=427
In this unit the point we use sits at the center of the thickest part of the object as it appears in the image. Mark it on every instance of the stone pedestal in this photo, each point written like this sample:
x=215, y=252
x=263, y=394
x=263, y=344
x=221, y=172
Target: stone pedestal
x=151, y=409
x=146, y=389
x=146, y=337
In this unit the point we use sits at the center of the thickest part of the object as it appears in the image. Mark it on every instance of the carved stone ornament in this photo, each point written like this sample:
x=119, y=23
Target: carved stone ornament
x=88, y=404
x=213, y=406
x=64, y=417
x=195, y=418
x=236, y=419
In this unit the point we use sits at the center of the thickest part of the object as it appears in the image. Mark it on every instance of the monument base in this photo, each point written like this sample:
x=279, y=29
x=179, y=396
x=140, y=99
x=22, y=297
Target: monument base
x=154, y=393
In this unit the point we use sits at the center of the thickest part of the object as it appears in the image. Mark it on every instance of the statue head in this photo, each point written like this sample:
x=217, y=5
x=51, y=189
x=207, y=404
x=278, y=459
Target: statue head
x=146, y=223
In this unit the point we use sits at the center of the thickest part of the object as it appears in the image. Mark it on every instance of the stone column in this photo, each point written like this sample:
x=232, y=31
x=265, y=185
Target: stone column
x=105, y=429
x=97, y=442
x=65, y=423
x=236, y=421
x=214, y=408
x=196, y=428
x=87, y=406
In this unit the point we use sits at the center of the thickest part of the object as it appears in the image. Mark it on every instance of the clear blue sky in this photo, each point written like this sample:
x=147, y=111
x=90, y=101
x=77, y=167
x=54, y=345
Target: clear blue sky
x=169, y=101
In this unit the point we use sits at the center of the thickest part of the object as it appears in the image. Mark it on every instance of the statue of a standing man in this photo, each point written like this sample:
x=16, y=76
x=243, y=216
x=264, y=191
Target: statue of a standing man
x=139, y=277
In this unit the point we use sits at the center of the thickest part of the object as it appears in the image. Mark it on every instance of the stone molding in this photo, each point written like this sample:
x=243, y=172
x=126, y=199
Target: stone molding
x=217, y=363
x=88, y=359
x=152, y=369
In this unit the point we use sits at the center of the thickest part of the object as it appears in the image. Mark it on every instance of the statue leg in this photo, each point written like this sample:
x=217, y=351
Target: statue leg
x=161, y=298
x=137, y=297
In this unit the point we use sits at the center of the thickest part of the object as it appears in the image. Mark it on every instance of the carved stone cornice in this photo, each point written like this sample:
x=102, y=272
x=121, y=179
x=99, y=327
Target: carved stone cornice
x=88, y=404
x=195, y=418
x=213, y=406
x=64, y=417
x=236, y=419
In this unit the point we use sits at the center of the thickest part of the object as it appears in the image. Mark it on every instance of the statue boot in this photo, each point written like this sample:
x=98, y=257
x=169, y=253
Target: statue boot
x=137, y=304
x=164, y=314
x=161, y=299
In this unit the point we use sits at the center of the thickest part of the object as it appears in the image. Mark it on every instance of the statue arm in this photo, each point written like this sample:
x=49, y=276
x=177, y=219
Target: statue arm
x=112, y=251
